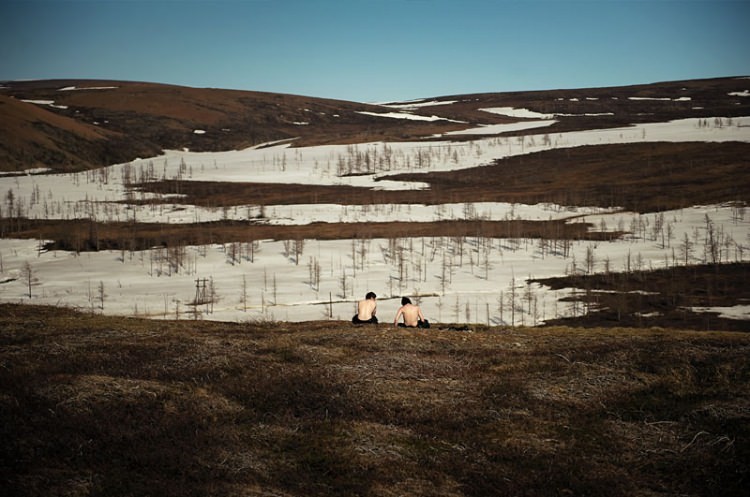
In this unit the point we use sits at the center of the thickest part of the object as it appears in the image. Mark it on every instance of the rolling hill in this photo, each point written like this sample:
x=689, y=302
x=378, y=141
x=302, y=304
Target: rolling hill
x=68, y=125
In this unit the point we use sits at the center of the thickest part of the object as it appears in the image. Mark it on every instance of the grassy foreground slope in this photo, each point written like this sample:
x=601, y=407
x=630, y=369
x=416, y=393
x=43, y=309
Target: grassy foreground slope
x=96, y=405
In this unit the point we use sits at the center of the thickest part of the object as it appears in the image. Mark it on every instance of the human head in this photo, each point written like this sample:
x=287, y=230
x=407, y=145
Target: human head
x=405, y=300
x=370, y=295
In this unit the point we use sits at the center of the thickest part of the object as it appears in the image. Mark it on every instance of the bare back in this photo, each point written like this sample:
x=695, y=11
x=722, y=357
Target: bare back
x=366, y=309
x=412, y=314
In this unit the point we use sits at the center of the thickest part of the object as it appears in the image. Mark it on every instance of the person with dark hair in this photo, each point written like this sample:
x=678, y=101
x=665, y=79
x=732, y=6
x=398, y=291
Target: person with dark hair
x=413, y=317
x=366, y=310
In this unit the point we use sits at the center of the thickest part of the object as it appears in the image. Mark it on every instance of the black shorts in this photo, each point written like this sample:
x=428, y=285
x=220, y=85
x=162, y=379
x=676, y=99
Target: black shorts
x=372, y=320
x=420, y=324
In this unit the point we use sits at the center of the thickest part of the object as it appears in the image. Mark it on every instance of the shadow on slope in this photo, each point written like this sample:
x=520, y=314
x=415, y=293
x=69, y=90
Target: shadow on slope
x=96, y=405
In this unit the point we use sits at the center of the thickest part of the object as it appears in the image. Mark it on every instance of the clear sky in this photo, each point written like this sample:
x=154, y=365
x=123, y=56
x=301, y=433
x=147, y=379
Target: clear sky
x=376, y=50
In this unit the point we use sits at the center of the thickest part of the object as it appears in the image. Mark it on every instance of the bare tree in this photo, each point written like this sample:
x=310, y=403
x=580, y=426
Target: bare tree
x=343, y=283
x=251, y=247
x=686, y=248
x=313, y=267
x=101, y=295
x=501, y=306
x=590, y=259
x=213, y=296
x=243, y=297
x=29, y=276
x=512, y=300
x=299, y=247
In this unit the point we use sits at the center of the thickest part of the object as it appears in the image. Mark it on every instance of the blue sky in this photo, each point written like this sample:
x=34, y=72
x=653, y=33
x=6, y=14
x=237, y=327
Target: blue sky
x=376, y=50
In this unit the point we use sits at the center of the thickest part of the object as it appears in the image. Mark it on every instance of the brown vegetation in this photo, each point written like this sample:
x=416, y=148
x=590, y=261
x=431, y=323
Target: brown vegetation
x=141, y=119
x=83, y=235
x=648, y=177
x=663, y=297
x=639, y=177
x=96, y=405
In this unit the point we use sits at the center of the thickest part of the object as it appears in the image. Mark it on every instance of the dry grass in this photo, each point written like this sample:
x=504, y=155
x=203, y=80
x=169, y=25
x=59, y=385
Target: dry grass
x=96, y=405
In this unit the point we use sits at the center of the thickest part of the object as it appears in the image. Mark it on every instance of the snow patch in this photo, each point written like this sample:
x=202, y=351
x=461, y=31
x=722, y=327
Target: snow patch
x=418, y=104
x=75, y=88
x=520, y=113
x=405, y=115
x=49, y=103
x=496, y=129
x=662, y=99
x=593, y=114
x=739, y=312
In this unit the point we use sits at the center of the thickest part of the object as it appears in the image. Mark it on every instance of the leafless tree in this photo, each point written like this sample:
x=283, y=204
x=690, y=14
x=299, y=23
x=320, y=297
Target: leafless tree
x=342, y=281
x=299, y=247
x=686, y=248
x=251, y=247
x=501, y=306
x=243, y=296
x=313, y=268
x=28, y=274
x=512, y=300
x=590, y=259
x=213, y=296
x=101, y=295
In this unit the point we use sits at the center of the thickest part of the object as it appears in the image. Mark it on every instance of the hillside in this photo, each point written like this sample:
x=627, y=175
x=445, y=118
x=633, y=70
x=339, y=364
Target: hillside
x=80, y=124
x=142, y=119
x=95, y=405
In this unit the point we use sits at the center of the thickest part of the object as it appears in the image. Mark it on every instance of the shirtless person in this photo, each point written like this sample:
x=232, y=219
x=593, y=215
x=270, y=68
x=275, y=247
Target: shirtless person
x=413, y=317
x=366, y=310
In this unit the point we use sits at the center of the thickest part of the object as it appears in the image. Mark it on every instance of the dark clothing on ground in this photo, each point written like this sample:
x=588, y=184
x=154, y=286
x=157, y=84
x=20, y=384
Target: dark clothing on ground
x=372, y=320
x=420, y=324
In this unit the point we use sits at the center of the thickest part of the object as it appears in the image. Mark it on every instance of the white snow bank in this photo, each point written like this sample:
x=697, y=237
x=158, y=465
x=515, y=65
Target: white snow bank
x=521, y=113
x=76, y=88
x=100, y=192
x=419, y=103
x=49, y=103
x=740, y=312
x=662, y=99
x=405, y=115
x=460, y=279
x=591, y=114
x=497, y=129
x=35, y=170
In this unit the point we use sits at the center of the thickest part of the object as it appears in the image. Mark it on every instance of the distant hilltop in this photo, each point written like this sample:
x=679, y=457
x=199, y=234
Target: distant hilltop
x=69, y=125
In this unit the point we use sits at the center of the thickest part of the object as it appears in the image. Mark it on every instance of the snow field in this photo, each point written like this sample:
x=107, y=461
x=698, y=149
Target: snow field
x=455, y=280
x=97, y=194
